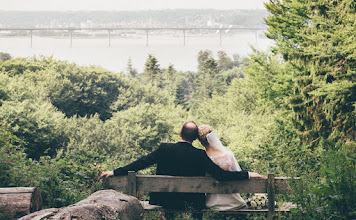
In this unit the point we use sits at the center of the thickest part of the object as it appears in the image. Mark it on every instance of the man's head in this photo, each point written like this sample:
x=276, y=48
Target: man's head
x=189, y=131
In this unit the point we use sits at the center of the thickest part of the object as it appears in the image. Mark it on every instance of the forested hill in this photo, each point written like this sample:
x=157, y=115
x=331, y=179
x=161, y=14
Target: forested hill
x=290, y=110
x=155, y=18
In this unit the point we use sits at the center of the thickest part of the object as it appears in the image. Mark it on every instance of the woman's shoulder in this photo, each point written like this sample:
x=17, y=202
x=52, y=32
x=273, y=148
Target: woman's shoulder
x=227, y=155
x=230, y=153
x=217, y=154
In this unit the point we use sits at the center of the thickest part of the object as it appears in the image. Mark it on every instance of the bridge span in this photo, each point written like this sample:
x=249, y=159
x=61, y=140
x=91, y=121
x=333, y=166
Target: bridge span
x=71, y=30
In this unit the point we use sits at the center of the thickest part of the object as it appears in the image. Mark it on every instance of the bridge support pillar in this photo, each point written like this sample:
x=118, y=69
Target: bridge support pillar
x=109, y=35
x=183, y=37
x=31, y=37
x=146, y=38
x=71, y=37
x=220, y=40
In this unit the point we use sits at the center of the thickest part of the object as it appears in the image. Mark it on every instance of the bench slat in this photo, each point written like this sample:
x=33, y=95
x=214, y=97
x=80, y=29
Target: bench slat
x=119, y=183
x=161, y=183
x=148, y=208
x=199, y=185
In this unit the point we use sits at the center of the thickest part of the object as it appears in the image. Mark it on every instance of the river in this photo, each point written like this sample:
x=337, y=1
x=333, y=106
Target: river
x=168, y=49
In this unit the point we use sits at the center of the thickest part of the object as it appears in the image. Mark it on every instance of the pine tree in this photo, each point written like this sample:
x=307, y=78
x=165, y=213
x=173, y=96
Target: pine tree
x=224, y=61
x=152, y=71
x=202, y=57
x=5, y=56
x=318, y=39
x=130, y=69
x=236, y=60
x=169, y=74
x=180, y=96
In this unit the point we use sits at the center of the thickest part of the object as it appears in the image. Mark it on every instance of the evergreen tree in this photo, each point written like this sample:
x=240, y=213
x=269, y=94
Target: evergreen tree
x=152, y=71
x=224, y=61
x=204, y=80
x=180, y=96
x=236, y=60
x=130, y=70
x=5, y=56
x=317, y=37
x=168, y=79
x=203, y=56
x=169, y=73
x=210, y=67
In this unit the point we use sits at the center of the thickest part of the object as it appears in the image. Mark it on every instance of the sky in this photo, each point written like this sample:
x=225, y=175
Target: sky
x=123, y=5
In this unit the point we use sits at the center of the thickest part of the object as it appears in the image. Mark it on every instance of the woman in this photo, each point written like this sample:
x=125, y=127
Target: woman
x=224, y=159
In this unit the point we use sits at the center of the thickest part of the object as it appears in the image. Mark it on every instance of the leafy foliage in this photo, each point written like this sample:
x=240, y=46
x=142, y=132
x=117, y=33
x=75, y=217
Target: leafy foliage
x=5, y=56
x=317, y=39
x=10, y=153
x=138, y=130
x=38, y=124
x=152, y=70
x=130, y=70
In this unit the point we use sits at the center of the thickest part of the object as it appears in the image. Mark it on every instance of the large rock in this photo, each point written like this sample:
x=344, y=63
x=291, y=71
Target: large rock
x=105, y=204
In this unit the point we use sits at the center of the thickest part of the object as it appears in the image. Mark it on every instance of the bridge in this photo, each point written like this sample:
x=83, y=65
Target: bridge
x=70, y=30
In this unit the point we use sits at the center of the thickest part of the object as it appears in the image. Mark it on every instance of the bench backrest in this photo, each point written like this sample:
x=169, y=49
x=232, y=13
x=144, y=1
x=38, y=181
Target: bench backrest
x=133, y=183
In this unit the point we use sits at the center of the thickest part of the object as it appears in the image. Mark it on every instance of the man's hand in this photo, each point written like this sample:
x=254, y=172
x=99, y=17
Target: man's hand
x=106, y=174
x=257, y=175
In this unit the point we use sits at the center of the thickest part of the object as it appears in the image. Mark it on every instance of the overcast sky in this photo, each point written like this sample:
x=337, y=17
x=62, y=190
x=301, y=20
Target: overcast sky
x=120, y=5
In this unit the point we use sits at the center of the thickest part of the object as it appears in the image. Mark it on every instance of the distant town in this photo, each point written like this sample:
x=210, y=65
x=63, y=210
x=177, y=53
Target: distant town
x=184, y=18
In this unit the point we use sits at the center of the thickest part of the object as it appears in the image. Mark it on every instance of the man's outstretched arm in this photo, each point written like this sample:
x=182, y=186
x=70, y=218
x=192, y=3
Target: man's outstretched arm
x=137, y=165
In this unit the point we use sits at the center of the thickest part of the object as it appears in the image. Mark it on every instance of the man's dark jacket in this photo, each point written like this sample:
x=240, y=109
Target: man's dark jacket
x=180, y=159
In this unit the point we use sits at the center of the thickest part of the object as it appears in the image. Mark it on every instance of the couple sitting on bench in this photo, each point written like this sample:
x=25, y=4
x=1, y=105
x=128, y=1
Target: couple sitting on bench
x=182, y=159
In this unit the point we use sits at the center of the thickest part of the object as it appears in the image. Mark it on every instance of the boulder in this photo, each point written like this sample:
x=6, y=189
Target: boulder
x=104, y=204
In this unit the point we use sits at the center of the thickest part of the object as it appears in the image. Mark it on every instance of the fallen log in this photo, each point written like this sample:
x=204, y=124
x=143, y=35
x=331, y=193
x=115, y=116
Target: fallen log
x=16, y=202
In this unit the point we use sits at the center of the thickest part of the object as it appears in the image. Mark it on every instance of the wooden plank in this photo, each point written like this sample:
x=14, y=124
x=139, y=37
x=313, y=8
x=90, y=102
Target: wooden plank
x=282, y=186
x=154, y=183
x=119, y=183
x=271, y=195
x=161, y=183
x=17, y=190
x=132, y=183
x=149, y=207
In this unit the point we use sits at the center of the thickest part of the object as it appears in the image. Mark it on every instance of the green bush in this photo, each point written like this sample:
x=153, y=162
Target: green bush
x=330, y=192
x=19, y=66
x=38, y=124
x=11, y=158
x=138, y=130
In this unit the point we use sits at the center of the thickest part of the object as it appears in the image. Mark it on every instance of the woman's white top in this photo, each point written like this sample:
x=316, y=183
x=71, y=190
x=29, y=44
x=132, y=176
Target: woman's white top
x=225, y=202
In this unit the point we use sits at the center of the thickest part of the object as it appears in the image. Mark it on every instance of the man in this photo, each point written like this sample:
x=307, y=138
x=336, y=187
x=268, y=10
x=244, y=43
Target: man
x=181, y=159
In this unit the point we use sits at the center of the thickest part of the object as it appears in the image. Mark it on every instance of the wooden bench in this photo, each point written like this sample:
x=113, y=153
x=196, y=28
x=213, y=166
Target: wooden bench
x=133, y=183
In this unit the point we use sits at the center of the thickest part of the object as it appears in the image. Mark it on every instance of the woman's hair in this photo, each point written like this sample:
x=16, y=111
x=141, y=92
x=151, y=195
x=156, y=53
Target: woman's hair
x=203, y=130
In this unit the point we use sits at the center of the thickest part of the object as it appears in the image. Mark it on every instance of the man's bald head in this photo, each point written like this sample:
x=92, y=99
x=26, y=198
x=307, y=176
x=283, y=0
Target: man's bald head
x=189, y=131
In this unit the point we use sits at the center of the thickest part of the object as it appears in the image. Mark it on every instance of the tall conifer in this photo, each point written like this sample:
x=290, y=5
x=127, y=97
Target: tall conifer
x=318, y=38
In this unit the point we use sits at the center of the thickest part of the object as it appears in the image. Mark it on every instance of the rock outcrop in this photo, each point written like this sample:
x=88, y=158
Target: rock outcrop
x=104, y=204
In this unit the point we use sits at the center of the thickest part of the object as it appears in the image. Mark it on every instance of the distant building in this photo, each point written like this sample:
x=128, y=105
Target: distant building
x=84, y=25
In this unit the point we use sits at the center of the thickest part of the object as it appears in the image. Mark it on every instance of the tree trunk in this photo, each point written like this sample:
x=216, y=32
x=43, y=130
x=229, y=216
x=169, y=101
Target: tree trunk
x=16, y=202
